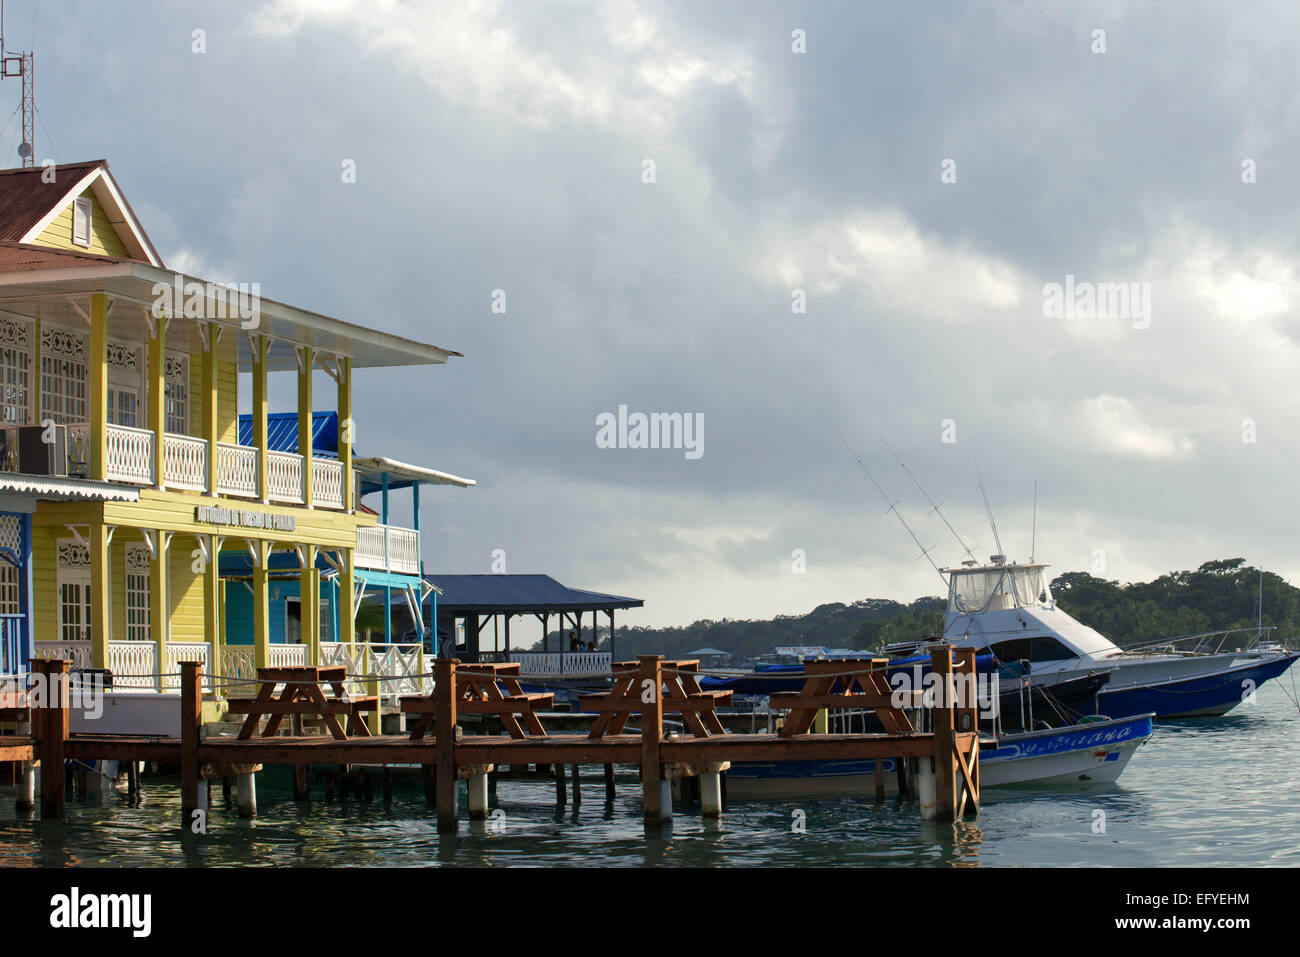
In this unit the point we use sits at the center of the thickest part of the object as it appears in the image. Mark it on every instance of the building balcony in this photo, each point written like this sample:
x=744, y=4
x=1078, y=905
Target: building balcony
x=388, y=548
x=185, y=466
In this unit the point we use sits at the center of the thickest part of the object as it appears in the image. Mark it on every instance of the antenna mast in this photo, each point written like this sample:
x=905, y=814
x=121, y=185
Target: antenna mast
x=22, y=64
x=890, y=507
x=933, y=504
x=987, y=508
x=1033, y=535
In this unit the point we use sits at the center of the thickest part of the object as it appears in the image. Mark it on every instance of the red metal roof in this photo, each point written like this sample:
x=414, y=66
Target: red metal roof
x=25, y=196
x=19, y=257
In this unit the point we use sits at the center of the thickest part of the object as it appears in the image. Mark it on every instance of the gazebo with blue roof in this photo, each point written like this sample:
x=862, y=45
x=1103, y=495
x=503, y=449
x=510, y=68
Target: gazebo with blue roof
x=477, y=598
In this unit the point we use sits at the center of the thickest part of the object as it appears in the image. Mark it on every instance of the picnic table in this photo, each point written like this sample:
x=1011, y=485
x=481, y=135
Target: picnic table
x=845, y=683
x=304, y=692
x=681, y=694
x=485, y=688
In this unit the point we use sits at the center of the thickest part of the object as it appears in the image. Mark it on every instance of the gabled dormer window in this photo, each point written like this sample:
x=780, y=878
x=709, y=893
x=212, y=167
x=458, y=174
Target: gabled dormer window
x=81, y=210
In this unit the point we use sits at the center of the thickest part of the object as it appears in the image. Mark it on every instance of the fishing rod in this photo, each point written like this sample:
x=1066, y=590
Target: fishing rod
x=933, y=504
x=891, y=507
x=987, y=508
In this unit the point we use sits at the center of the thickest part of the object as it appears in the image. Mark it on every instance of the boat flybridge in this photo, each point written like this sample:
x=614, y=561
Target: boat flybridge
x=1008, y=610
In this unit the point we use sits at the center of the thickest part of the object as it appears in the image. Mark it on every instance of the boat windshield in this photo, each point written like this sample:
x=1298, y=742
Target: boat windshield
x=994, y=589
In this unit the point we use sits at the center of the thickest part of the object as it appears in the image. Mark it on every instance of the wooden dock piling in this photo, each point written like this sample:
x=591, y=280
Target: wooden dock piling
x=191, y=720
x=444, y=690
x=560, y=799
x=650, y=685
x=52, y=720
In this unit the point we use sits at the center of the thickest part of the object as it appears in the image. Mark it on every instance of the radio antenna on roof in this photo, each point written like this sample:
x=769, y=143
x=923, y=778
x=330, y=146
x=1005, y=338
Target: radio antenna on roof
x=933, y=504
x=22, y=65
x=891, y=507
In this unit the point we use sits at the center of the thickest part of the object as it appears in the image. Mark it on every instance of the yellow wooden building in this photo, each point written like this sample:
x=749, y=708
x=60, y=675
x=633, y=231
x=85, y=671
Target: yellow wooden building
x=122, y=477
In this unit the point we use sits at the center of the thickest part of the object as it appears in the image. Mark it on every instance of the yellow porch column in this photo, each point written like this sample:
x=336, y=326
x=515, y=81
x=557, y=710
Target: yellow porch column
x=307, y=603
x=100, y=578
x=307, y=358
x=347, y=596
x=261, y=604
x=159, y=600
x=35, y=386
x=345, y=430
x=210, y=404
x=261, y=346
x=158, y=397
x=97, y=400
x=212, y=602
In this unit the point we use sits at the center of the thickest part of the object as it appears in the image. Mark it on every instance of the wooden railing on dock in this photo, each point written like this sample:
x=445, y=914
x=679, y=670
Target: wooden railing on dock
x=649, y=688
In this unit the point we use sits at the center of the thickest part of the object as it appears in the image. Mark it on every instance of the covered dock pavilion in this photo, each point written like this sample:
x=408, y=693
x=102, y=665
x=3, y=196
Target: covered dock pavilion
x=478, y=599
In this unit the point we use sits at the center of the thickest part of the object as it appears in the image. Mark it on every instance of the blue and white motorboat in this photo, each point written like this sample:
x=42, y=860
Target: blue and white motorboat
x=1095, y=751
x=1007, y=610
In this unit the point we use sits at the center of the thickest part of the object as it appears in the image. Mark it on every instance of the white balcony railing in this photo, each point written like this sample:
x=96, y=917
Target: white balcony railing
x=236, y=470
x=185, y=466
x=389, y=548
x=178, y=651
x=284, y=477
x=563, y=663
x=185, y=462
x=239, y=661
x=78, y=652
x=399, y=666
x=286, y=656
x=134, y=664
x=130, y=455
x=327, y=483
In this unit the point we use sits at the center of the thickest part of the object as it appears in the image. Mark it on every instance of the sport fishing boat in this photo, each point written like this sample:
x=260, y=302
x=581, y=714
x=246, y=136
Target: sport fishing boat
x=1024, y=702
x=1007, y=610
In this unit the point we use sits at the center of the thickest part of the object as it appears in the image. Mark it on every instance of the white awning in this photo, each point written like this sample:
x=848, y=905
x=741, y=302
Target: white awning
x=65, y=489
x=413, y=473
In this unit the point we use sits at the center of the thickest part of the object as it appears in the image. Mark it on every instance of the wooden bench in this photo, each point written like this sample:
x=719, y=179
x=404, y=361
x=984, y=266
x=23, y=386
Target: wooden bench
x=304, y=693
x=486, y=688
x=680, y=691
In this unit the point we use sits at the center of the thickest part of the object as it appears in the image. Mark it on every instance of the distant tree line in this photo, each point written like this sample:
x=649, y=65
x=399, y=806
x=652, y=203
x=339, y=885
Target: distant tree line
x=1220, y=595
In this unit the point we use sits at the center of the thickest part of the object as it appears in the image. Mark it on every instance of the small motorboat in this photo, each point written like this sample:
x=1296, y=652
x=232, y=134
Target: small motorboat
x=1094, y=751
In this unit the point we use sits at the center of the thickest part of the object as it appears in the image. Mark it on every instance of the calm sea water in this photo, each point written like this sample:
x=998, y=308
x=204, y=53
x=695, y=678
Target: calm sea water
x=1207, y=792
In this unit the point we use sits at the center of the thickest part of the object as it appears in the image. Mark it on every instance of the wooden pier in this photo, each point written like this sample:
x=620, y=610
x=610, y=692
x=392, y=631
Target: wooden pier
x=947, y=752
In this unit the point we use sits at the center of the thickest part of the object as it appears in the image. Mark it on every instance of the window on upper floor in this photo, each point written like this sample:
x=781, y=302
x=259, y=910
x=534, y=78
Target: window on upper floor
x=137, y=593
x=82, y=209
x=176, y=413
x=15, y=372
x=63, y=376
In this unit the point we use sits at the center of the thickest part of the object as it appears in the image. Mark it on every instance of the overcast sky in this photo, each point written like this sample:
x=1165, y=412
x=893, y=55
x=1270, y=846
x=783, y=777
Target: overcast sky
x=920, y=171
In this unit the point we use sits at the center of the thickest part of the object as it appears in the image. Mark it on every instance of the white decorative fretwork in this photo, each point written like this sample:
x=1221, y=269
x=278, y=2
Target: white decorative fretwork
x=73, y=554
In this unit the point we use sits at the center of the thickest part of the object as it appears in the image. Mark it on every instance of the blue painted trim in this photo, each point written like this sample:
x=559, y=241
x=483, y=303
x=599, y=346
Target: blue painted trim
x=25, y=594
